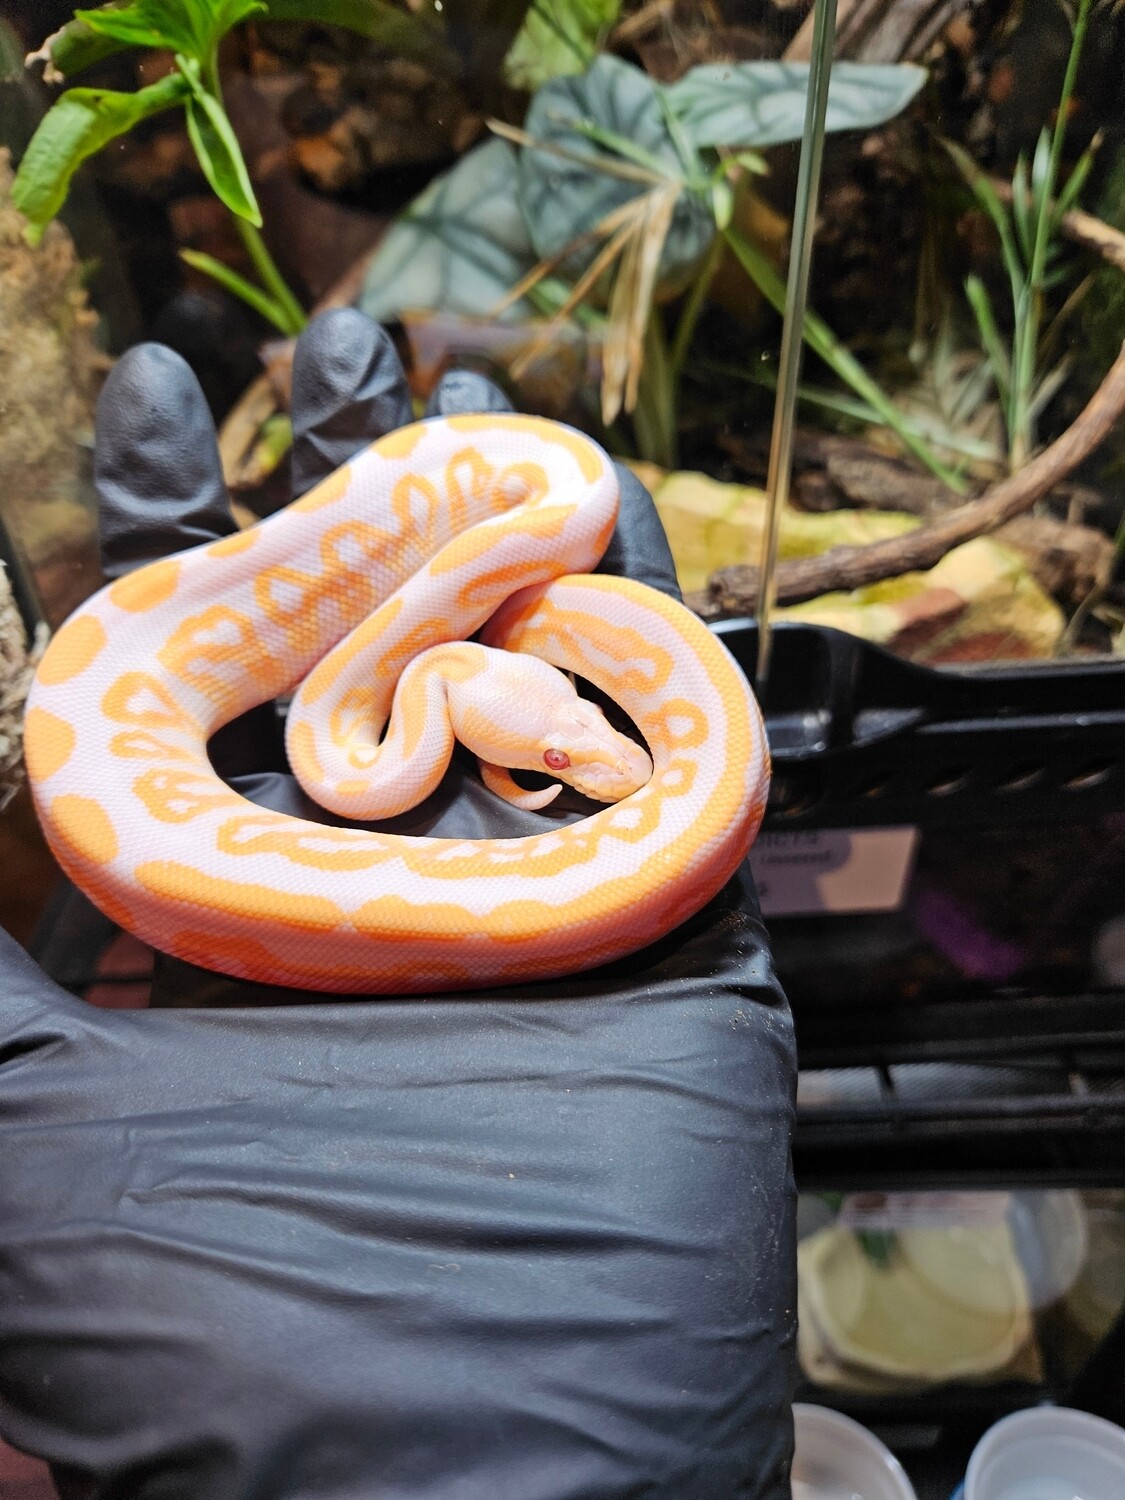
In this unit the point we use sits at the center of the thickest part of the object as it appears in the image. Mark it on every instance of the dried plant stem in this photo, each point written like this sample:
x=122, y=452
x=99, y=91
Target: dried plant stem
x=734, y=590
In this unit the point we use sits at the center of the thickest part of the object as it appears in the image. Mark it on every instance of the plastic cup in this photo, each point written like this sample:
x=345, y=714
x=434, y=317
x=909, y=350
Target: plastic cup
x=837, y=1459
x=1048, y=1453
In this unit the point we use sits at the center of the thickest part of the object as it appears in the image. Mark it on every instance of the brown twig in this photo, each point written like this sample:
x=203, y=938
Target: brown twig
x=735, y=590
x=645, y=20
x=881, y=30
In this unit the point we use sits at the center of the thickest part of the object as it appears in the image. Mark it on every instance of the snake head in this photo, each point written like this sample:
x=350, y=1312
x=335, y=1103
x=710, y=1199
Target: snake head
x=583, y=749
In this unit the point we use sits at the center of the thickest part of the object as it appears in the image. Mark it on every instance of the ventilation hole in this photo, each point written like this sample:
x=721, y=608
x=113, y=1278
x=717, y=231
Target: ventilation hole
x=792, y=795
x=945, y=782
x=1090, y=776
x=1020, y=777
x=874, y=784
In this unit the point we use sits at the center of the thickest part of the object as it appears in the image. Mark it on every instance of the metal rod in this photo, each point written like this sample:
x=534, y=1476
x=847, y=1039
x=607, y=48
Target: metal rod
x=789, y=365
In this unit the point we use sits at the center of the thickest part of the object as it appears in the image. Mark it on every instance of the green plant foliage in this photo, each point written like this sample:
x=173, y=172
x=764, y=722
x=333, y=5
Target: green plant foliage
x=217, y=149
x=595, y=148
x=562, y=197
x=73, y=47
x=417, y=35
x=459, y=247
x=189, y=26
x=763, y=103
x=81, y=123
x=558, y=38
x=1030, y=247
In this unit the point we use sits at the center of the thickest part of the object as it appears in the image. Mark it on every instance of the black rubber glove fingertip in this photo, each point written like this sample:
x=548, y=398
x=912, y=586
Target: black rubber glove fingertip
x=157, y=470
x=348, y=390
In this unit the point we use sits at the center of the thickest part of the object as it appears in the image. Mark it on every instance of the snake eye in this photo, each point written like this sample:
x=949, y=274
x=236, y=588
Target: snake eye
x=556, y=760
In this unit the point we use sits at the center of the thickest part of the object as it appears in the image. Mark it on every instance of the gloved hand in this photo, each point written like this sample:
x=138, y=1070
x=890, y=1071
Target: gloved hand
x=529, y=1245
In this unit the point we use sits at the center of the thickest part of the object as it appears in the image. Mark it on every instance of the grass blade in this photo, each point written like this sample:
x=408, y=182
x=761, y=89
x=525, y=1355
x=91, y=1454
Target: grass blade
x=838, y=357
x=238, y=286
x=998, y=356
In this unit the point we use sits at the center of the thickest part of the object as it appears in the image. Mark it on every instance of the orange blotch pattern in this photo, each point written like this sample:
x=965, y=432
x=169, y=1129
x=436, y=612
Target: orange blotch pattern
x=678, y=723
x=327, y=492
x=303, y=844
x=471, y=546
x=48, y=743
x=644, y=667
x=179, y=796
x=85, y=829
x=354, y=712
x=589, y=460
x=323, y=678
x=77, y=644
x=257, y=905
x=141, y=699
x=140, y=745
x=212, y=650
x=238, y=541
x=401, y=444
x=416, y=504
x=144, y=589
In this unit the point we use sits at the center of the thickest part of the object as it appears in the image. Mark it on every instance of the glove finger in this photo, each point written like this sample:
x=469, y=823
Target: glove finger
x=348, y=389
x=157, y=472
x=639, y=547
x=31, y=1005
x=463, y=392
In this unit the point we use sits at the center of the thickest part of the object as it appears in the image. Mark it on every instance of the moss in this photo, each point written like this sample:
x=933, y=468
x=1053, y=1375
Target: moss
x=48, y=370
x=16, y=667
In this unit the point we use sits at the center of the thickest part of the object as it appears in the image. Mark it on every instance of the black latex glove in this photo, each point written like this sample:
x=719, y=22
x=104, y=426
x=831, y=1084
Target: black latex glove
x=528, y=1245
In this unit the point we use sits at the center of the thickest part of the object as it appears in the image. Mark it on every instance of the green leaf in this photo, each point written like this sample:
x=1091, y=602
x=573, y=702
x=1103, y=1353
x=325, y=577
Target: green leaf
x=654, y=421
x=998, y=356
x=988, y=198
x=628, y=150
x=238, y=286
x=763, y=103
x=1073, y=185
x=217, y=148
x=458, y=248
x=132, y=27
x=146, y=24
x=79, y=124
x=70, y=49
x=231, y=13
x=1021, y=207
x=558, y=38
x=876, y=1244
x=399, y=31
x=722, y=203
x=820, y=338
x=189, y=26
x=562, y=199
x=1041, y=172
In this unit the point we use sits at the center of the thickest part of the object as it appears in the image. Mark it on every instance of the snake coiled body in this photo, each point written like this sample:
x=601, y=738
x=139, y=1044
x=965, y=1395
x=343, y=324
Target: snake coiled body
x=432, y=533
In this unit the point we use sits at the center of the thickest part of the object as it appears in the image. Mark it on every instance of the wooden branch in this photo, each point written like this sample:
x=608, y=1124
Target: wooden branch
x=734, y=590
x=633, y=28
x=881, y=30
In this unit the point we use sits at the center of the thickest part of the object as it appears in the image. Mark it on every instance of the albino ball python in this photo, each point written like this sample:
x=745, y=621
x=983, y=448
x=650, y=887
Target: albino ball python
x=425, y=537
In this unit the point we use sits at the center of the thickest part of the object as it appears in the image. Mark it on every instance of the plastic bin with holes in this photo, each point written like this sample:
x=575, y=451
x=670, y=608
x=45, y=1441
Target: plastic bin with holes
x=942, y=871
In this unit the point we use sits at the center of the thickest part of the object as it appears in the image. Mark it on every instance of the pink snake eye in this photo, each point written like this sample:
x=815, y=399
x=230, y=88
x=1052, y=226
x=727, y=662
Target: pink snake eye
x=556, y=760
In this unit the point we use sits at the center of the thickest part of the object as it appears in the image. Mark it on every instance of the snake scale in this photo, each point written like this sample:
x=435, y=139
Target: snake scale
x=440, y=531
